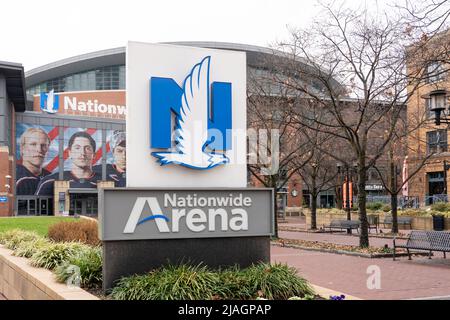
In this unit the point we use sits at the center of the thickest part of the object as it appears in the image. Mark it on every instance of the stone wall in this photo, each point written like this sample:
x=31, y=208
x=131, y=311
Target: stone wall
x=20, y=281
x=418, y=223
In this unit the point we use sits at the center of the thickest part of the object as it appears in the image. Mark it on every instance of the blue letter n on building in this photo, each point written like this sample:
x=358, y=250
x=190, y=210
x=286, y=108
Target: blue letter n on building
x=165, y=100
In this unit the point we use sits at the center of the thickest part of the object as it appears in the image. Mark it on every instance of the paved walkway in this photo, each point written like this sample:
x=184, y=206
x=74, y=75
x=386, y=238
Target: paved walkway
x=402, y=279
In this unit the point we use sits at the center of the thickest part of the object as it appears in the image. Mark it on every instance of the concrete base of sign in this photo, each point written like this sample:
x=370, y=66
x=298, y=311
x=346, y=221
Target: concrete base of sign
x=124, y=258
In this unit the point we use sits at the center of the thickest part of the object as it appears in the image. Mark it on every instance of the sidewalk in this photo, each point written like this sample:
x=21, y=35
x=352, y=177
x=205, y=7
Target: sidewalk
x=402, y=279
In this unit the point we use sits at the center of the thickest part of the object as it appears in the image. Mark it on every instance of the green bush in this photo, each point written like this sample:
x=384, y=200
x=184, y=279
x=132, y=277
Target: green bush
x=51, y=256
x=441, y=207
x=374, y=206
x=233, y=285
x=198, y=282
x=278, y=281
x=182, y=282
x=12, y=238
x=386, y=208
x=26, y=249
x=89, y=263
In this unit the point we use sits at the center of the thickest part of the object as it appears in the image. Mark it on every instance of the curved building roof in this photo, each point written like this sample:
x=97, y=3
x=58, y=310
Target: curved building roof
x=116, y=56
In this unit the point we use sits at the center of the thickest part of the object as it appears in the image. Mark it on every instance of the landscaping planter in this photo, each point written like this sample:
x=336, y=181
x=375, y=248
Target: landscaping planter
x=438, y=223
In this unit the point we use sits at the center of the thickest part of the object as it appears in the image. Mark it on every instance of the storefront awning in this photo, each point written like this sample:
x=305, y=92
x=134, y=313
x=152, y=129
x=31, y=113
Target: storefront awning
x=83, y=191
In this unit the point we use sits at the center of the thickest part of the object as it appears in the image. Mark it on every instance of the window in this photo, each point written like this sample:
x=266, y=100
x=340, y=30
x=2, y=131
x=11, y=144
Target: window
x=435, y=72
x=437, y=141
x=105, y=78
x=429, y=114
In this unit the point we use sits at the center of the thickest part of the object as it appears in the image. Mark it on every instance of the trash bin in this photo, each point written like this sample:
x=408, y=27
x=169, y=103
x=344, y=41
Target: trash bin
x=438, y=222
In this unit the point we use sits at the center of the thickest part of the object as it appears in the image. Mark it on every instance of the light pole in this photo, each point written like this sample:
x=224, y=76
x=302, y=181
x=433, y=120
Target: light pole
x=446, y=167
x=438, y=105
x=8, y=183
x=347, y=190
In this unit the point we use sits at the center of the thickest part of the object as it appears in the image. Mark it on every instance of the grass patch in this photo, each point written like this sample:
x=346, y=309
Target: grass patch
x=37, y=224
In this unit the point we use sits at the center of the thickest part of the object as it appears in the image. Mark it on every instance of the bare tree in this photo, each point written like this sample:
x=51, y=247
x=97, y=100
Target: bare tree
x=426, y=16
x=281, y=148
x=389, y=170
x=356, y=75
x=320, y=173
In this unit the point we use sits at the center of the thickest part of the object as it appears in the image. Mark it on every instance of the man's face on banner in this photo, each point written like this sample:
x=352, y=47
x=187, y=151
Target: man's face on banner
x=120, y=157
x=35, y=148
x=81, y=153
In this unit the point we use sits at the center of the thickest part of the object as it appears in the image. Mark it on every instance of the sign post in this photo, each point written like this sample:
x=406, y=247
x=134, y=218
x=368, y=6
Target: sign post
x=186, y=198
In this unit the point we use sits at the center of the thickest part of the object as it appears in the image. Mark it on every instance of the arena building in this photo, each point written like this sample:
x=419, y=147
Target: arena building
x=64, y=137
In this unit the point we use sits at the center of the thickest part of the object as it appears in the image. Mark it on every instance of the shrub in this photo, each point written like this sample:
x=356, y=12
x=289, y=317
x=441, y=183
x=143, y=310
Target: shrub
x=85, y=231
x=89, y=264
x=278, y=281
x=182, y=282
x=51, y=256
x=233, y=285
x=28, y=248
x=386, y=208
x=375, y=206
x=12, y=238
x=197, y=282
x=441, y=207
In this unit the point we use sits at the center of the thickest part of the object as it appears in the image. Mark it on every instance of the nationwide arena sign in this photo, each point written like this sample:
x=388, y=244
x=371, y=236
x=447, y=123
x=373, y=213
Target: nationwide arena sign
x=186, y=196
x=179, y=214
x=107, y=104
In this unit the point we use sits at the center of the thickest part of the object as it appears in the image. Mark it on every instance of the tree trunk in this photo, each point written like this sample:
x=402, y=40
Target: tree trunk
x=394, y=205
x=275, y=207
x=314, y=210
x=362, y=211
x=393, y=182
x=338, y=193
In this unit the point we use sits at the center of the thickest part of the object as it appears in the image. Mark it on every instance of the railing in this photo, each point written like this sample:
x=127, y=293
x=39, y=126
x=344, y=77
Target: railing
x=403, y=201
x=429, y=200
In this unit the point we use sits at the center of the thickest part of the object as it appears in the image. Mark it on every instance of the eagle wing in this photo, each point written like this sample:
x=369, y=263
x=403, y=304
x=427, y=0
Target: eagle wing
x=193, y=115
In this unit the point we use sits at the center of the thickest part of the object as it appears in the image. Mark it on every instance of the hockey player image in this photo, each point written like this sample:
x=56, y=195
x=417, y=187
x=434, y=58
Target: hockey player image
x=117, y=170
x=34, y=145
x=81, y=175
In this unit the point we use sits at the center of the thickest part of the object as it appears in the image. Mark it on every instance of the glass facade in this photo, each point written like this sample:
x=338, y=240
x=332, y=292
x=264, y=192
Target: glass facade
x=105, y=78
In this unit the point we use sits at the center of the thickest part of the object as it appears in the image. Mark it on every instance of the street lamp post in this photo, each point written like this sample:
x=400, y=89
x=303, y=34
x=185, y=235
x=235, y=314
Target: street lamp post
x=438, y=105
x=446, y=167
x=347, y=191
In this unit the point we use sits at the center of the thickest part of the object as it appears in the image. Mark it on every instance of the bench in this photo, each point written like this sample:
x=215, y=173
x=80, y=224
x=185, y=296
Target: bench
x=426, y=240
x=400, y=221
x=342, y=224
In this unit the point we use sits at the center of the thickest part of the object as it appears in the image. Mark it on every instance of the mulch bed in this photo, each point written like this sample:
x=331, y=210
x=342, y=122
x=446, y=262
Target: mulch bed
x=389, y=235
x=370, y=252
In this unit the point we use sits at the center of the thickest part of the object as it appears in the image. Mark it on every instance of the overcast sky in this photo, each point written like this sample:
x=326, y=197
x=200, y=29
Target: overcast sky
x=35, y=33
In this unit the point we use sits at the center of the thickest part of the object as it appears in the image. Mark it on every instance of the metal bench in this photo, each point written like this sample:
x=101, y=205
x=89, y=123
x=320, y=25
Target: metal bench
x=400, y=221
x=342, y=224
x=426, y=240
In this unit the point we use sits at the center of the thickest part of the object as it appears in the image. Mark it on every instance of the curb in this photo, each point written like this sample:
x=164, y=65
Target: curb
x=325, y=292
x=348, y=253
x=341, y=234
